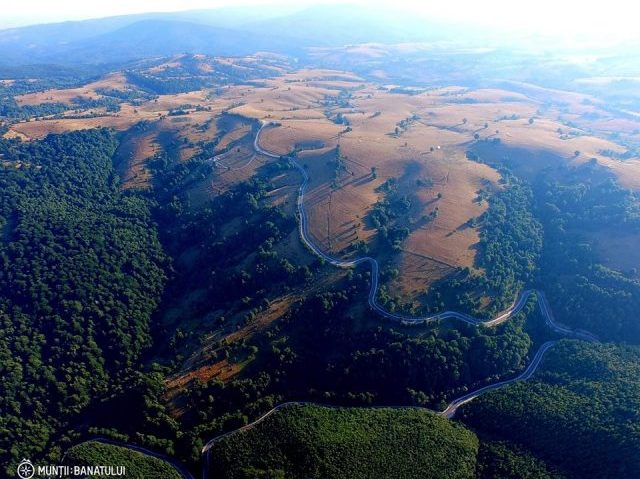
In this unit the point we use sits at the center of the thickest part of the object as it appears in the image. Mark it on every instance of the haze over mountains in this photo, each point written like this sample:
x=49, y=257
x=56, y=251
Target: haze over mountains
x=229, y=237
x=224, y=31
x=320, y=35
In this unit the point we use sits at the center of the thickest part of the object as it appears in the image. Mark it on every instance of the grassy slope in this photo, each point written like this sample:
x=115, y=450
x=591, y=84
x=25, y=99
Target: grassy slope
x=138, y=466
x=318, y=442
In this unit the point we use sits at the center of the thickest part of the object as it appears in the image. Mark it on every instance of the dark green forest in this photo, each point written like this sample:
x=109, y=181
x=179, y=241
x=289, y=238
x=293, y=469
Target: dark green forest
x=580, y=411
x=313, y=441
x=505, y=460
x=306, y=442
x=138, y=466
x=569, y=206
x=584, y=292
x=81, y=273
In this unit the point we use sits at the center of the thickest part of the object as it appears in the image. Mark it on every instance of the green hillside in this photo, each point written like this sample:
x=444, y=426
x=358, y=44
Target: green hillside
x=81, y=272
x=319, y=442
x=138, y=465
x=581, y=411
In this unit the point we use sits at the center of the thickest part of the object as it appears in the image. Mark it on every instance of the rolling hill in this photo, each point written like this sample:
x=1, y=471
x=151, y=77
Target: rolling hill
x=579, y=413
x=178, y=189
x=318, y=442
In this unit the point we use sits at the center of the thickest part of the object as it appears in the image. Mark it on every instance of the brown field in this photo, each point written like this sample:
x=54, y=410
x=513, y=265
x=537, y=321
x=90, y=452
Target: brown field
x=222, y=370
x=130, y=158
x=34, y=130
x=165, y=103
x=338, y=213
x=122, y=120
x=236, y=133
x=418, y=273
x=406, y=134
x=423, y=135
x=284, y=139
x=114, y=80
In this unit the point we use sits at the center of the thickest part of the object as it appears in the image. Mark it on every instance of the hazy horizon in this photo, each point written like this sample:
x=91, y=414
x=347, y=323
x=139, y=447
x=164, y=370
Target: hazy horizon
x=572, y=21
x=320, y=239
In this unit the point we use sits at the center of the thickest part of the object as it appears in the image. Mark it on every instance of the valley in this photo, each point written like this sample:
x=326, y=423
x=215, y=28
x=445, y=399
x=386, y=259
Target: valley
x=382, y=257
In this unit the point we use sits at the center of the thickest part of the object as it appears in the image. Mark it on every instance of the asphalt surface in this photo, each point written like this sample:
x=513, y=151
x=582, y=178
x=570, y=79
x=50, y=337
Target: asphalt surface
x=303, y=225
x=453, y=406
x=180, y=469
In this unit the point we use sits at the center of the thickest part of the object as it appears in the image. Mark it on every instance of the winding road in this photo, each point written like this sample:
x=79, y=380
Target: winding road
x=217, y=160
x=515, y=308
x=453, y=406
x=449, y=412
x=180, y=469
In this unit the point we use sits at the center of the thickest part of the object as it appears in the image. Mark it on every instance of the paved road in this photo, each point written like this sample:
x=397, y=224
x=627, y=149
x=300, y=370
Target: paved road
x=449, y=412
x=303, y=225
x=207, y=447
x=451, y=409
x=180, y=469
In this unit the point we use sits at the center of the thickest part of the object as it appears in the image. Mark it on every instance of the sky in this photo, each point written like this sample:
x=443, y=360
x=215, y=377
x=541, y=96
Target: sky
x=614, y=19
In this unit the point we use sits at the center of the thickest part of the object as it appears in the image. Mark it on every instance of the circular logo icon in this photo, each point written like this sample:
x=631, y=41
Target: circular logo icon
x=26, y=470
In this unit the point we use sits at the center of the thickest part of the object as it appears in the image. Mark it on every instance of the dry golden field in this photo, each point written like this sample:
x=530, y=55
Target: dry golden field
x=409, y=135
x=133, y=151
x=114, y=80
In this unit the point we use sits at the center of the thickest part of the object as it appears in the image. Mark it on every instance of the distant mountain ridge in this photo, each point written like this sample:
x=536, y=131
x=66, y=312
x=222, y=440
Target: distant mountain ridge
x=224, y=31
x=129, y=37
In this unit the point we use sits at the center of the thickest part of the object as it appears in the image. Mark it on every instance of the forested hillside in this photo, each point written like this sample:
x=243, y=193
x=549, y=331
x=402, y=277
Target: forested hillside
x=81, y=272
x=504, y=460
x=309, y=442
x=580, y=411
x=137, y=465
x=584, y=292
x=511, y=239
x=341, y=363
x=544, y=234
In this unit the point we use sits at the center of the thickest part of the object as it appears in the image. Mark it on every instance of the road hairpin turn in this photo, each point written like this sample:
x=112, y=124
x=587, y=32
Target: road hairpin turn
x=450, y=410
